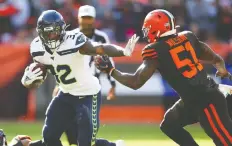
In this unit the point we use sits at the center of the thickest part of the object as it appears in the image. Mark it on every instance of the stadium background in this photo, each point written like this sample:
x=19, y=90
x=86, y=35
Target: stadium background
x=133, y=115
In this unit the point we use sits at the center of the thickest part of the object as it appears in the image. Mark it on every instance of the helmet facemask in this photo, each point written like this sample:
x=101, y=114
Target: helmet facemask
x=52, y=35
x=145, y=34
x=149, y=36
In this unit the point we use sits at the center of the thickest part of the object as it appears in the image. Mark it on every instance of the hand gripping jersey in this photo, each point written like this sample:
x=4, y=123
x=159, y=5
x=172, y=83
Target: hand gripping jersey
x=67, y=64
x=178, y=63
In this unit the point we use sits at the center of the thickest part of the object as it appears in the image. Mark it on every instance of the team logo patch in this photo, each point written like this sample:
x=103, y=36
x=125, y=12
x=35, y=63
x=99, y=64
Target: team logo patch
x=48, y=28
x=167, y=25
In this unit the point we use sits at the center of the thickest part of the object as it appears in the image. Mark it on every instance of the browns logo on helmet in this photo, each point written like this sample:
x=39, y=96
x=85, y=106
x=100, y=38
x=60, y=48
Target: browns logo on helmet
x=158, y=23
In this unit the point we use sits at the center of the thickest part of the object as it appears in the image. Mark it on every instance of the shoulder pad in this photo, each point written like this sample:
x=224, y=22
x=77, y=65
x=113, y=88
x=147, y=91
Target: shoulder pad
x=36, y=48
x=75, y=39
x=149, y=52
x=190, y=35
x=185, y=32
x=72, y=43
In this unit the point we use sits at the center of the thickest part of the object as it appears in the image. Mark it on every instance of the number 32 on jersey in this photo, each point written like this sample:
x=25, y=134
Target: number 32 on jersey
x=193, y=63
x=61, y=73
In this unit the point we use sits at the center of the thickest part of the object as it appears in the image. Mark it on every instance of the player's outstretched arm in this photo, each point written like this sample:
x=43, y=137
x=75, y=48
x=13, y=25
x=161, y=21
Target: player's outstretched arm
x=134, y=81
x=109, y=49
x=139, y=78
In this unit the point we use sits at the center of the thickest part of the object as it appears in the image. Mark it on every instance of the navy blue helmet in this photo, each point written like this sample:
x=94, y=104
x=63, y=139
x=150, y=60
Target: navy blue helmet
x=51, y=28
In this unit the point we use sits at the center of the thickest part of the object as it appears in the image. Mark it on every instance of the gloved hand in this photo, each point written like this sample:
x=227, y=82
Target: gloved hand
x=130, y=46
x=103, y=63
x=31, y=75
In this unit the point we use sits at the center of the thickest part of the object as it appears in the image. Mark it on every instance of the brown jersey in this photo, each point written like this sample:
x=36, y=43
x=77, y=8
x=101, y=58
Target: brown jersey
x=178, y=62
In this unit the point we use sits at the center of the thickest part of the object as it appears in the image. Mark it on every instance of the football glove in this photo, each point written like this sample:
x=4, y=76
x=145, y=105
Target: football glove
x=130, y=46
x=103, y=63
x=31, y=75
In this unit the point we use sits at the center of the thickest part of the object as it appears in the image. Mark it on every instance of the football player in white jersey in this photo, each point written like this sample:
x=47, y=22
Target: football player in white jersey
x=79, y=99
x=86, y=20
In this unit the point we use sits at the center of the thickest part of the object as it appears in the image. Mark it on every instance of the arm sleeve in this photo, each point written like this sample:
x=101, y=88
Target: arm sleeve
x=35, y=52
x=149, y=53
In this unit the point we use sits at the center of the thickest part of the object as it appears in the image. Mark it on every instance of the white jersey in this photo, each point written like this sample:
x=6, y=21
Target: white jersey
x=98, y=37
x=67, y=64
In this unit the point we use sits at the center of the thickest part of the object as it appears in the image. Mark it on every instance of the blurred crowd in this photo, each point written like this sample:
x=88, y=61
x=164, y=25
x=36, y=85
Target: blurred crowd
x=210, y=19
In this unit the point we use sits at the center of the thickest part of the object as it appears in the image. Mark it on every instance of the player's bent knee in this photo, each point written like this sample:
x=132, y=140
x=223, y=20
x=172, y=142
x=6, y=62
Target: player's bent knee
x=164, y=126
x=169, y=122
x=50, y=139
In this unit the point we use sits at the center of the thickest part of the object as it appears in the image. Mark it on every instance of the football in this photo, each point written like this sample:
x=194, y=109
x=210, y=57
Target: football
x=44, y=74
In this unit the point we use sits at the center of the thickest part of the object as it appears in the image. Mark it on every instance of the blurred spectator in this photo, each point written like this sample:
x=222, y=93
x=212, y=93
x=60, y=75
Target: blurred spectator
x=68, y=11
x=24, y=35
x=20, y=19
x=41, y=5
x=201, y=13
x=108, y=25
x=7, y=10
x=119, y=18
x=157, y=3
x=178, y=9
x=127, y=15
x=108, y=5
x=224, y=27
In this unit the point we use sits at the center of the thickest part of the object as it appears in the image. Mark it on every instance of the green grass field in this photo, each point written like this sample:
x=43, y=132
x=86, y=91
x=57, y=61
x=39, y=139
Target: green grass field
x=133, y=134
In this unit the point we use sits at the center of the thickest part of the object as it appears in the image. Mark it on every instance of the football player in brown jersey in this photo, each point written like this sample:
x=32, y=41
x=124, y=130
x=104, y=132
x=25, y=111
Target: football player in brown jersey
x=176, y=56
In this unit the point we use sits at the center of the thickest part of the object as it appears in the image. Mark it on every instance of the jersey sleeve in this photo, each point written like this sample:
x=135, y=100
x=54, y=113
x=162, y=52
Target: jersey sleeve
x=36, y=50
x=74, y=40
x=81, y=39
x=149, y=53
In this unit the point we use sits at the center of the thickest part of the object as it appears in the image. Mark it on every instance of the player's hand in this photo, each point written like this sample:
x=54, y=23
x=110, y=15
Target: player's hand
x=31, y=75
x=130, y=46
x=23, y=140
x=103, y=63
x=111, y=94
x=224, y=74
